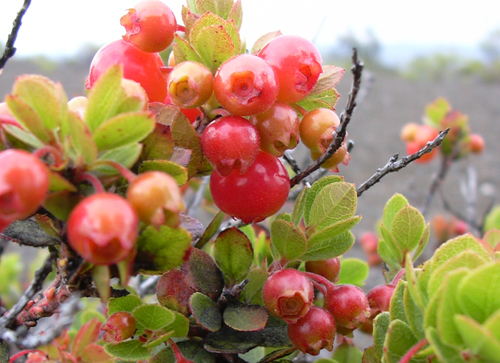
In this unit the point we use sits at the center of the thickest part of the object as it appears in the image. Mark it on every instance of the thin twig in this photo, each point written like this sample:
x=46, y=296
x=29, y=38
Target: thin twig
x=395, y=165
x=198, y=197
x=10, y=50
x=436, y=182
x=292, y=162
x=340, y=133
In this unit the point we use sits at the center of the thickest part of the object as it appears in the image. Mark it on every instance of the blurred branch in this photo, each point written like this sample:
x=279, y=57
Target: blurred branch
x=340, y=133
x=10, y=50
x=395, y=165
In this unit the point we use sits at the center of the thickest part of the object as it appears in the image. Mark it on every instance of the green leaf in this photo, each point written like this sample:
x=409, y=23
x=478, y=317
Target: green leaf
x=96, y=354
x=28, y=118
x=158, y=340
x=326, y=99
x=236, y=15
x=153, y=317
x=123, y=129
x=397, y=307
x=444, y=352
x=369, y=355
x=81, y=139
x=492, y=219
x=263, y=40
x=380, y=328
x=392, y=251
x=212, y=20
x=314, y=191
x=492, y=237
x=353, y=271
x=493, y=324
x=60, y=204
x=219, y=7
x=335, y=229
x=414, y=315
x=385, y=252
x=202, y=274
x=105, y=98
x=183, y=51
x=477, y=338
x=244, y=317
x=233, y=253
x=126, y=303
x=437, y=110
x=179, y=327
x=400, y=339
x=323, y=249
x=478, y=292
x=87, y=334
x=252, y=294
x=25, y=137
x=41, y=95
x=330, y=77
x=211, y=230
x=347, y=353
x=178, y=172
x=215, y=46
x=407, y=228
x=298, y=207
x=129, y=351
x=423, y=241
x=162, y=250
x=126, y=156
x=392, y=207
x=288, y=240
x=59, y=183
x=335, y=202
x=205, y=311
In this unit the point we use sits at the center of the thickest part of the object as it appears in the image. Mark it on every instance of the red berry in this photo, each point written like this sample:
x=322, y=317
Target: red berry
x=157, y=199
x=379, y=299
x=313, y=332
x=317, y=127
x=409, y=131
x=141, y=67
x=369, y=242
x=120, y=326
x=288, y=294
x=348, y=305
x=278, y=128
x=190, y=84
x=24, y=182
x=423, y=135
x=103, y=229
x=329, y=269
x=150, y=26
x=230, y=142
x=255, y=195
x=245, y=85
x=476, y=143
x=297, y=63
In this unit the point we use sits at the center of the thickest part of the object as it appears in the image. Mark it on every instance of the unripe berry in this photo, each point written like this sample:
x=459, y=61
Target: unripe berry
x=341, y=156
x=190, y=84
x=329, y=269
x=288, y=294
x=157, y=198
x=348, y=305
x=424, y=134
x=313, y=332
x=120, y=326
x=379, y=299
x=476, y=143
x=103, y=229
x=246, y=85
x=24, y=182
x=317, y=127
x=409, y=131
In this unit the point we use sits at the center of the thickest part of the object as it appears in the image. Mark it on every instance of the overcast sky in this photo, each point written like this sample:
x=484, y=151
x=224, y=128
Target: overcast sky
x=61, y=27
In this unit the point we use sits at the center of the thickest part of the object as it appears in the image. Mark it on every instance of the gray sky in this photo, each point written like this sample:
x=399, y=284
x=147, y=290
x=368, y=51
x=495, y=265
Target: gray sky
x=61, y=27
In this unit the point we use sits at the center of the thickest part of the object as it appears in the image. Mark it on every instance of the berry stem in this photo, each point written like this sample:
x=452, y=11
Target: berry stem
x=414, y=350
x=319, y=287
x=319, y=279
x=177, y=353
x=398, y=276
x=93, y=180
x=181, y=28
x=52, y=151
x=126, y=173
x=25, y=352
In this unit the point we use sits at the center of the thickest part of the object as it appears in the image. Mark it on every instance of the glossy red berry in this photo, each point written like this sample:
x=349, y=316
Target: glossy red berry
x=317, y=127
x=120, y=326
x=329, y=269
x=157, y=198
x=313, y=332
x=288, y=294
x=190, y=84
x=24, y=182
x=348, y=305
x=230, y=142
x=255, y=195
x=103, y=229
x=297, y=63
x=379, y=298
x=278, y=128
x=150, y=26
x=246, y=85
x=141, y=67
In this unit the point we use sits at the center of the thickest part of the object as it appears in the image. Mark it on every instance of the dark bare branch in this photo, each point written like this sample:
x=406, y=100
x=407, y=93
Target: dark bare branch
x=10, y=49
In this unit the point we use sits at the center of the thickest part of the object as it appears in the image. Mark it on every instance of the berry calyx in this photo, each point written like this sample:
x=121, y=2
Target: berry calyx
x=313, y=332
x=379, y=298
x=141, y=67
x=245, y=85
x=288, y=294
x=297, y=63
x=230, y=142
x=329, y=269
x=120, y=326
x=24, y=182
x=157, y=199
x=348, y=305
x=103, y=229
x=150, y=26
x=278, y=128
x=190, y=84
x=255, y=195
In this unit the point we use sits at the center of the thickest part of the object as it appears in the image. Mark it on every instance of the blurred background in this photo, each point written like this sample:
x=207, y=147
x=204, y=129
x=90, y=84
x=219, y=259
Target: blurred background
x=414, y=51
